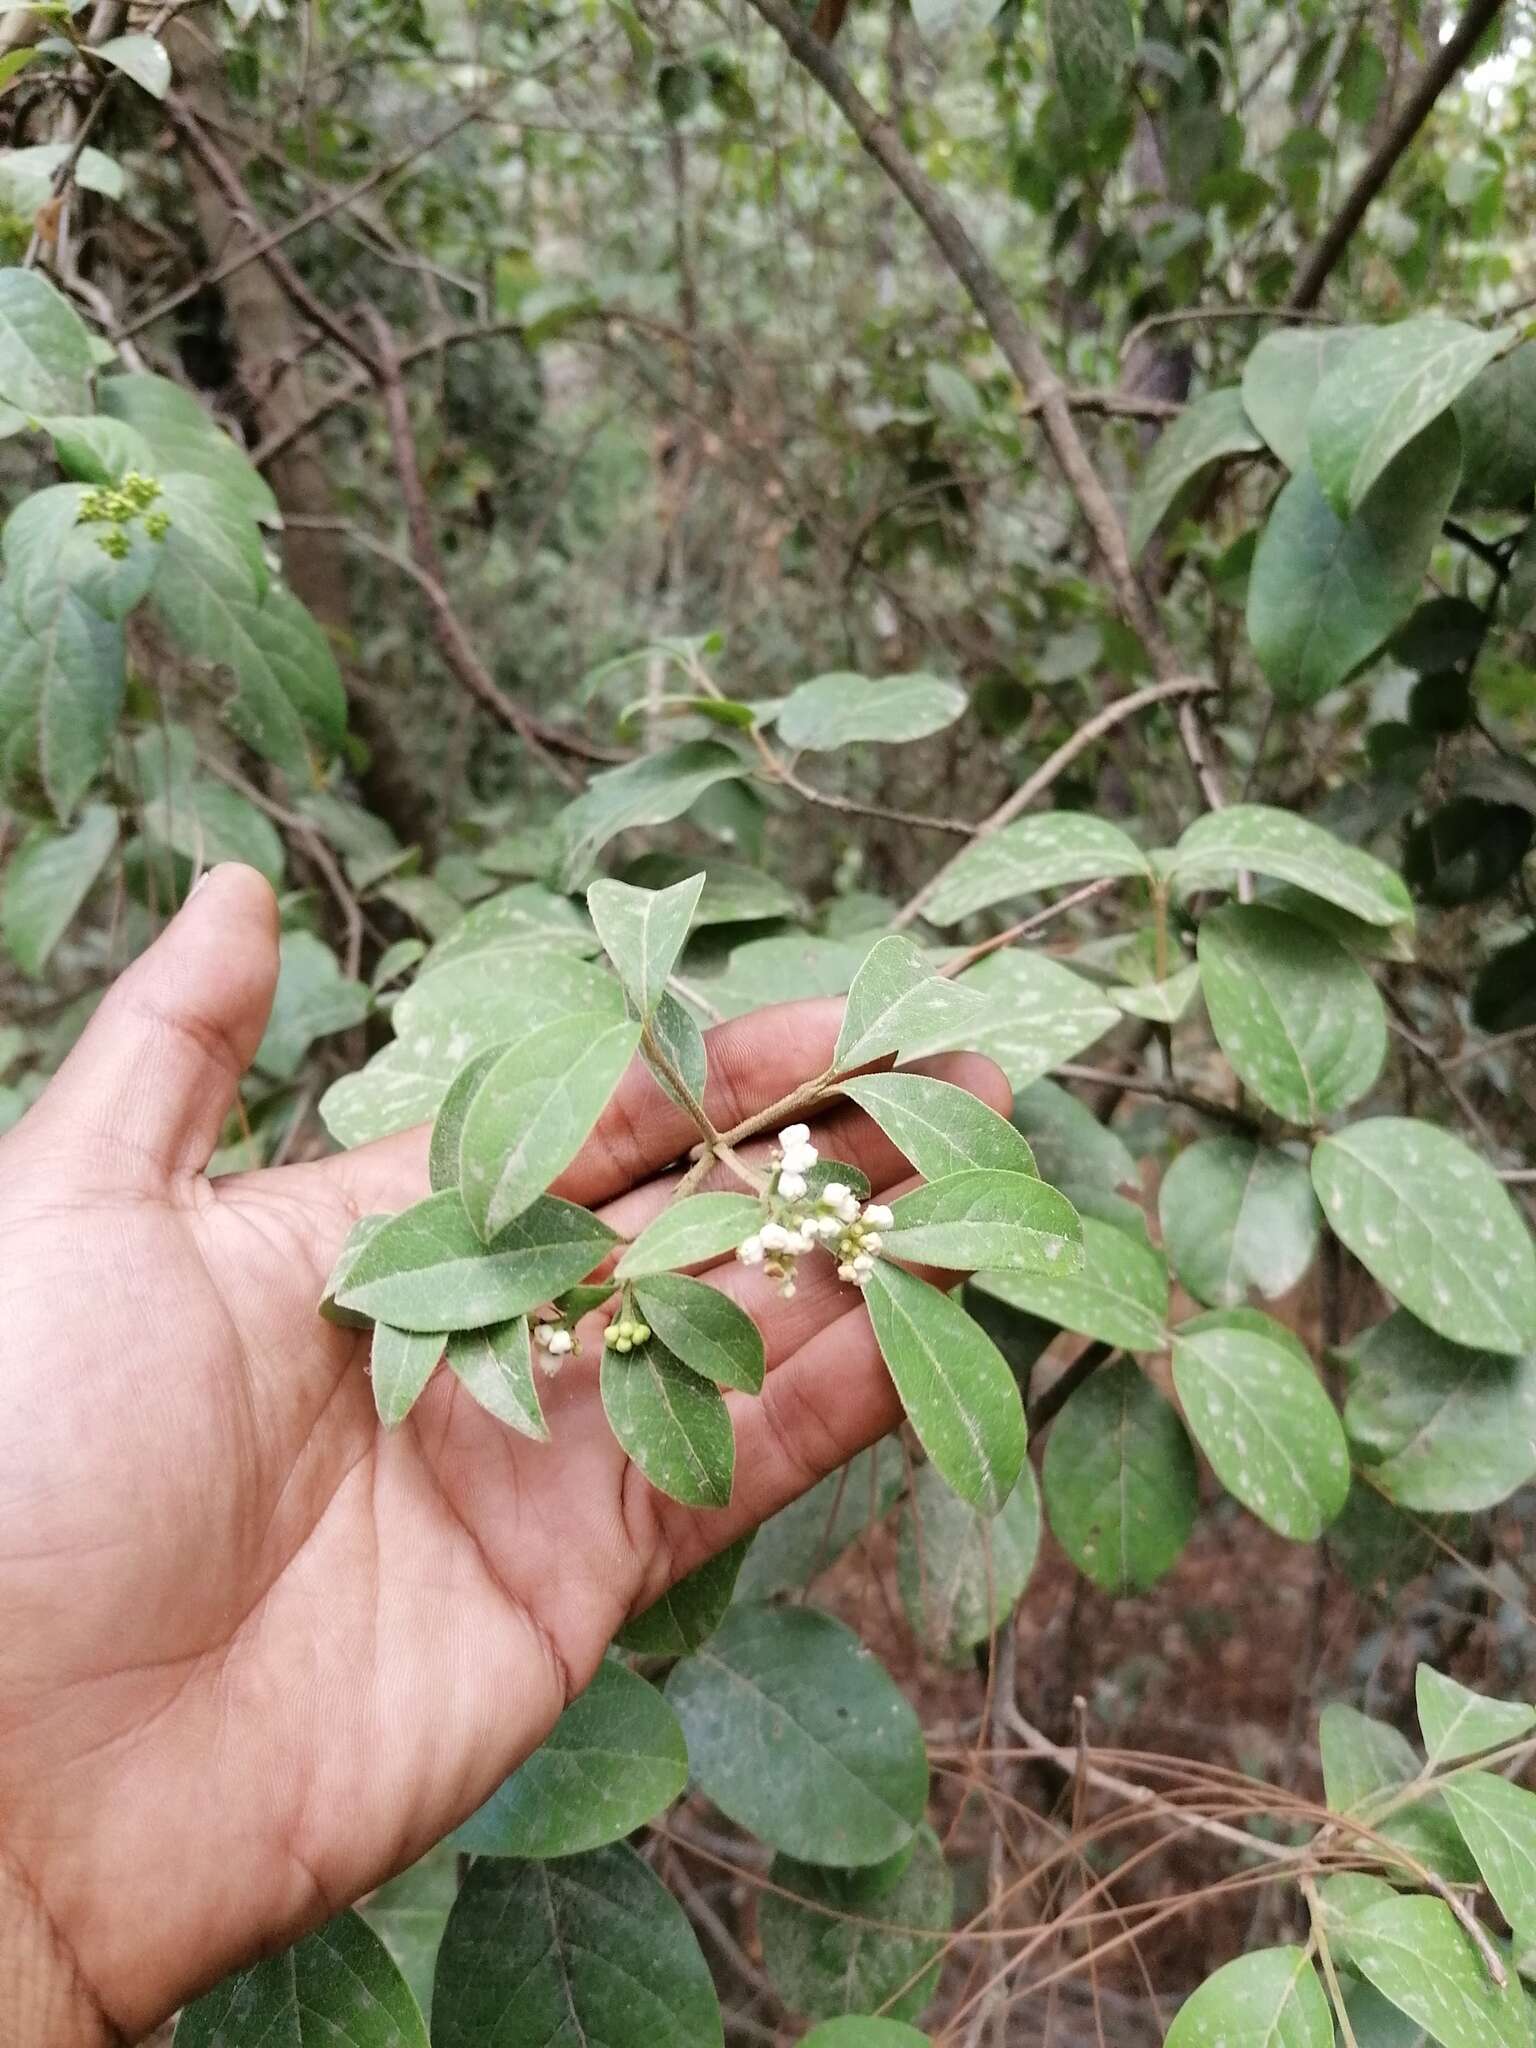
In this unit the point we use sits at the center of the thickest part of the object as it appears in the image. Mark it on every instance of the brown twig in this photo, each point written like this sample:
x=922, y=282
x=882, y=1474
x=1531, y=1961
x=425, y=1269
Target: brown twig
x=1416, y=109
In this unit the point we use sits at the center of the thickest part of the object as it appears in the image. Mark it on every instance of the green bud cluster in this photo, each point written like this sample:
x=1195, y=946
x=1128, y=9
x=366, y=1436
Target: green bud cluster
x=116, y=508
x=626, y=1334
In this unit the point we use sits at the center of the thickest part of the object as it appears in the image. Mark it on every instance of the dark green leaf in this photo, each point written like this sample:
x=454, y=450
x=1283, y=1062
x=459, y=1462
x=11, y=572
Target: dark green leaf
x=401, y=1363
x=65, y=680
x=45, y=348
x=650, y=791
x=339, y=1985
x=409, y=1913
x=49, y=877
x=495, y=1368
x=690, y=1612
x=798, y=1543
x=1497, y=417
x=613, y=1760
x=854, y=1940
x=797, y=1733
x=1092, y=43
x=1120, y=1295
x=674, y=1425
x=183, y=437
x=1121, y=1485
x=704, y=1328
x=448, y=1125
x=690, y=1232
x=961, y=1574
x=1237, y=1216
x=313, y=999
x=940, y=1128
x=1212, y=428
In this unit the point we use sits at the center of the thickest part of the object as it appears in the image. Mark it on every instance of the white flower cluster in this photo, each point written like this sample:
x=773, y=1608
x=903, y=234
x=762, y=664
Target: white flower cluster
x=798, y=1222
x=556, y=1342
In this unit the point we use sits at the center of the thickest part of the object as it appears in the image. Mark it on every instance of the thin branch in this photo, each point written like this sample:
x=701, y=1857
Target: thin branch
x=1416, y=109
x=1164, y=1091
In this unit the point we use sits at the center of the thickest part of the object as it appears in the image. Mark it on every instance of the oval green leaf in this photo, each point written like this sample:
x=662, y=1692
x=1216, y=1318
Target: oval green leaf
x=1273, y=1997
x=1005, y=1222
x=674, y=1425
x=1050, y=851
x=961, y=1574
x=1121, y=1484
x=689, y=1232
x=400, y=1364
x=341, y=1979
x=837, y=710
x=705, y=1329
x=1213, y=427
x=940, y=1128
x=1271, y=842
x=495, y=1367
x=1120, y=1296
x=853, y=1941
x=1238, y=1217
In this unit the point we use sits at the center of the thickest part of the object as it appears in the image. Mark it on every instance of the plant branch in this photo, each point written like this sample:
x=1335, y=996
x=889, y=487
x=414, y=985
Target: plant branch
x=1415, y=111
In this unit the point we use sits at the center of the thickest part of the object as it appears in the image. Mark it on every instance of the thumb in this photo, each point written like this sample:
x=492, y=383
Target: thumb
x=156, y=1071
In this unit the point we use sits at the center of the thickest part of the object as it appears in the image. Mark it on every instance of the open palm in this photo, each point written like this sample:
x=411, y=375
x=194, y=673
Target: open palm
x=255, y=1653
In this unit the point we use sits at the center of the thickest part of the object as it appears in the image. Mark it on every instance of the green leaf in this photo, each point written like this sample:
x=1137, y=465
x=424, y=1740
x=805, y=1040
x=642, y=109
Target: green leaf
x=961, y=1574
x=362, y=1230
x=1005, y=1222
x=1236, y=1217
x=689, y=1232
x=1366, y=1765
x=782, y=970
x=1039, y=1013
x=529, y=916
x=1272, y=1998
x=339, y=1985
x=797, y=1544
x=1520, y=591
x=46, y=364
x=426, y=1269
x=1280, y=380
x=1428, y=1219
x=797, y=1733
x=940, y=1128
x=1326, y=592
x=212, y=523
x=704, y=1329
x=207, y=823
x=1121, y=1484
x=1291, y=849
x=1208, y=431
x=865, y=2033
x=674, y=1425
x=852, y=1940
x=99, y=451
x=51, y=554
x=409, y=1913
x=680, y=1054
x=643, y=931
x=65, y=681
x=1456, y=1722
x=1120, y=1295
x=1444, y=1429
x=1072, y=1148
x=1497, y=1821
x=1293, y=1010
x=1160, y=1002
x=495, y=1368
x=49, y=877
x=1092, y=44
x=140, y=58
x=184, y=438
x=489, y=998
x=590, y=1949
x=1051, y=850
x=1497, y=417
x=448, y=1125
x=1389, y=387
x=313, y=999
x=650, y=791
x=1261, y=1417
x=400, y=1364
x=533, y=1112
x=613, y=1760
x=27, y=175
x=898, y=1005
x=837, y=710
x=954, y=1384
x=733, y=893
x=1420, y=1961
x=690, y=1612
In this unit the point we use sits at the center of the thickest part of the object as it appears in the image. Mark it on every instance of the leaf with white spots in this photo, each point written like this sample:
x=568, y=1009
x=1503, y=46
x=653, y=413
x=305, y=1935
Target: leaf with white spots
x=1120, y=1295
x=1417, y=1957
x=1429, y=1220
x=339, y=1985
x=1498, y=1824
x=1038, y=1014
x=613, y=1760
x=940, y=1128
x=427, y=1269
x=1206, y=432
x=1456, y=1722
x=1295, y=1013
x=495, y=1367
x=704, y=1328
x=528, y=916
x=1260, y=1415
x=673, y=1424
x=400, y=1364
x=643, y=931
x=1121, y=1484
x=961, y=1574
x=1366, y=1765
x=1280, y=380
x=1385, y=389
x=690, y=1232
x=1051, y=850
x=898, y=1005
x=797, y=1732
x=651, y=791
x=1270, y=1999
x=1238, y=1216
x=533, y=1111
x=838, y=710
x=954, y=1383
x=1442, y=1428
x=1005, y=1222
x=1160, y=1002
x=1290, y=849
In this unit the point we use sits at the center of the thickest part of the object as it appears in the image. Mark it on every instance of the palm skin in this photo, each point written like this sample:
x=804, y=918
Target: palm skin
x=257, y=1654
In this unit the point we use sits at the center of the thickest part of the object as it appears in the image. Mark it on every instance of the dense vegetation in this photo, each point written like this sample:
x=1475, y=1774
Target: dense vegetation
x=1023, y=515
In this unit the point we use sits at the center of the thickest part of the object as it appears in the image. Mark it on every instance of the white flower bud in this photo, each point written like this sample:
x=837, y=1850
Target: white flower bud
x=878, y=1216
x=775, y=1238
x=799, y=1159
x=871, y=1240
x=845, y=1272
x=788, y=1290
x=794, y=1134
x=863, y=1265
x=559, y=1343
x=835, y=1193
x=824, y=1226
x=848, y=1210
x=750, y=1250
x=791, y=1185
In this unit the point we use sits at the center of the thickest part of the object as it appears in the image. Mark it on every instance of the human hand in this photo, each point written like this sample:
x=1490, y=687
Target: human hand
x=257, y=1654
